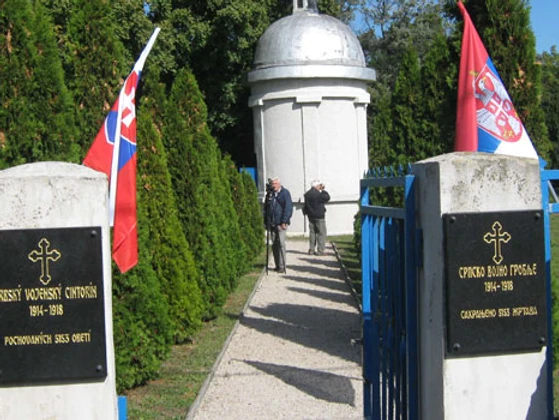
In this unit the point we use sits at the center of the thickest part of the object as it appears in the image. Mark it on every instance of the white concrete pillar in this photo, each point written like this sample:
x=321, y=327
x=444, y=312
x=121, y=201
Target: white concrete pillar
x=38, y=199
x=498, y=386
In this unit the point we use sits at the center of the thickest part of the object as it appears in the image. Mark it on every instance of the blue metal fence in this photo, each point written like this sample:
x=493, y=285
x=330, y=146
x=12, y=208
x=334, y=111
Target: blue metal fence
x=549, y=207
x=390, y=248
x=389, y=275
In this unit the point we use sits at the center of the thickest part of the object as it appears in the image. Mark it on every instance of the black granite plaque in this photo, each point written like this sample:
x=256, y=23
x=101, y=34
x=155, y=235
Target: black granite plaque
x=495, y=282
x=51, y=306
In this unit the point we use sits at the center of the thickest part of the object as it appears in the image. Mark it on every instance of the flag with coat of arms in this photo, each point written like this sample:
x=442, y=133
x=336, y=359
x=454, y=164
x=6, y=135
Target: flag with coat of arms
x=486, y=120
x=114, y=153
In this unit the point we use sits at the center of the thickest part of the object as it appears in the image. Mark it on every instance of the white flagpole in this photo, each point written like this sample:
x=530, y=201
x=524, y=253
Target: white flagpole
x=114, y=162
x=116, y=147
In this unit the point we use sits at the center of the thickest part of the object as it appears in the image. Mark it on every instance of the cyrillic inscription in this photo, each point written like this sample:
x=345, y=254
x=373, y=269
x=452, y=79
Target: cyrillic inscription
x=495, y=282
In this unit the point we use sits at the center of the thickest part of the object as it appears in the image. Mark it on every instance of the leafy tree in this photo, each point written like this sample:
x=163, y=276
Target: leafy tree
x=390, y=27
x=36, y=122
x=550, y=105
x=216, y=39
x=380, y=130
x=397, y=41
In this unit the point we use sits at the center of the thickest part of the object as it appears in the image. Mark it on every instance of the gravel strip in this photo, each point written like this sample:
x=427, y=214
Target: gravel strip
x=290, y=356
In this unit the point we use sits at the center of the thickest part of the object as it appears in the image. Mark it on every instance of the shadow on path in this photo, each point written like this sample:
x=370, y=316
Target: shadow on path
x=328, y=296
x=322, y=385
x=324, y=329
x=321, y=282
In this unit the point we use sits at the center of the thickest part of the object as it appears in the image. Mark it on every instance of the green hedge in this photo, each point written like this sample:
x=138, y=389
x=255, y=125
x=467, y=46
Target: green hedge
x=198, y=218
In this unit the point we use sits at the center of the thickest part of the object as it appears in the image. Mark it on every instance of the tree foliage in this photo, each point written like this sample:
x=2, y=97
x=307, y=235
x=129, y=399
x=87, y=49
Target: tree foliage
x=63, y=63
x=36, y=121
x=172, y=259
x=93, y=59
x=143, y=327
x=504, y=27
x=391, y=27
x=550, y=99
x=412, y=110
x=203, y=192
x=245, y=200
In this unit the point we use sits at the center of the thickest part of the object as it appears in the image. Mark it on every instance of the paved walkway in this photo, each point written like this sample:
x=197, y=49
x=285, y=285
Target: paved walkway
x=290, y=356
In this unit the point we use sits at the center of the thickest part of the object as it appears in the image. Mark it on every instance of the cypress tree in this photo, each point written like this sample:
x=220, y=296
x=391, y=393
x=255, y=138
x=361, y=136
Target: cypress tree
x=221, y=254
x=172, y=259
x=143, y=328
x=253, y=216
x=185, y=115
x=380, y=129
x=229, y=218
x=408, y=145
x=438, y=87
x=96, y=64
x=550, y=100
x=36, y=122
x=249, y=211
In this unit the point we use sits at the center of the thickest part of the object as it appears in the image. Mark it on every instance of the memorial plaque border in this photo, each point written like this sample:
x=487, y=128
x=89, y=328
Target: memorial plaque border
x=482, y=315
x=53, y=328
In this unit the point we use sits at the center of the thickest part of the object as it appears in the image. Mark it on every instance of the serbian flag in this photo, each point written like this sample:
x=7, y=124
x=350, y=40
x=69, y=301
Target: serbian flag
x=486, y=120
x=114, y=153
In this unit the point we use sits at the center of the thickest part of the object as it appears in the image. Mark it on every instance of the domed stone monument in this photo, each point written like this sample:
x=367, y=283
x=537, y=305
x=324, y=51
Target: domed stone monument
x=309, y=99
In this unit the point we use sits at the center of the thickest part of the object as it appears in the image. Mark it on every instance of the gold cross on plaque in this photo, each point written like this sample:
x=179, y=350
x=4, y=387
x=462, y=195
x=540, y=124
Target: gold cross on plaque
x=497, y=237
x=44, y=256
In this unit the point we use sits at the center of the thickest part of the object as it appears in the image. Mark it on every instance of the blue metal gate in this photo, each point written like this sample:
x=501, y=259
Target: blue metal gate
x=389, y=249
x=389, y=287
x=547, y=176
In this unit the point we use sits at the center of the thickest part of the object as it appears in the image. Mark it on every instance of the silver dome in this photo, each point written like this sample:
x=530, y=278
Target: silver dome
x=308, y=38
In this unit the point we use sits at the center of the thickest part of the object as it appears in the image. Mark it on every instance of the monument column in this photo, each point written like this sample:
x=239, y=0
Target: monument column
x=56, y=336
x=308, y=87
x=482, y=297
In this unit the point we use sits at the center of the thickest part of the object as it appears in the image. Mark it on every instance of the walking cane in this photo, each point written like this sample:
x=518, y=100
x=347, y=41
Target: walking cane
x=267, y=247
x=267, y=223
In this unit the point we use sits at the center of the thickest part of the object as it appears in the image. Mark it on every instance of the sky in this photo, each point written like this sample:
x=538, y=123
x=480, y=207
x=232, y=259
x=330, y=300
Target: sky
x=544, y=18
x=545, y=23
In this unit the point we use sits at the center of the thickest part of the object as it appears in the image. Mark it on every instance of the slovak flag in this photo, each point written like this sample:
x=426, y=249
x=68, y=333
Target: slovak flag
x=486, y=120
x=114, y=153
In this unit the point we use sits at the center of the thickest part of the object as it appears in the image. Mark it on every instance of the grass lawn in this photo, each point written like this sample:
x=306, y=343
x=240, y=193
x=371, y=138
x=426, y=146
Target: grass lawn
x=350, y=261
x=183, y=374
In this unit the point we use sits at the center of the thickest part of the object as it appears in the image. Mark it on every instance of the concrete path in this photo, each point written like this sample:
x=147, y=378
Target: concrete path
x=290, y=356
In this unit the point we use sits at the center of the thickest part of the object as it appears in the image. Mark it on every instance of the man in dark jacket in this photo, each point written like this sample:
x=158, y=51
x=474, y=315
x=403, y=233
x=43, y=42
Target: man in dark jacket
x=279, y=210
x=315, y=210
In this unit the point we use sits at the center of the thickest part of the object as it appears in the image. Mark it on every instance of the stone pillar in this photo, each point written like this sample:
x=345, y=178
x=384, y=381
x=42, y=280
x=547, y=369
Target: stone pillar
x=56, y=351
x=495, y=384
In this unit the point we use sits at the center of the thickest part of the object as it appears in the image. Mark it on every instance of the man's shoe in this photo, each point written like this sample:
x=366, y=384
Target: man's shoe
x=320, y=253
x=311, y=252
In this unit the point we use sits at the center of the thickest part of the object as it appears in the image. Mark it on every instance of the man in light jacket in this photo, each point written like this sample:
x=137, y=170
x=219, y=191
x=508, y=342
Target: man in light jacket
x=315, y=209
